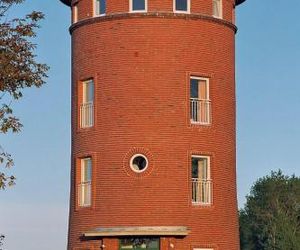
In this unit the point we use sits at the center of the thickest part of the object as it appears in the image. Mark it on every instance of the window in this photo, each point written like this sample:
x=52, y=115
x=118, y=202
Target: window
x=200, y=105
x=217, y=8
x=74, y=13
x=139, y=243
x=181, y=6
x=84, y=189
x=138, y=5
x=138, y=163
x=201, y=181
x=233, y=15
x=99, y=7
x=87, y=104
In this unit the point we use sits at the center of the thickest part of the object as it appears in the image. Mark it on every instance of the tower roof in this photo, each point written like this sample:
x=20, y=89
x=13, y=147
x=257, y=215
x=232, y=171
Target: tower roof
x=237, y=2
x=68, y=2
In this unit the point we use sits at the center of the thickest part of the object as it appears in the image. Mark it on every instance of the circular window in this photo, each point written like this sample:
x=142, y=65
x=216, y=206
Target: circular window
x=138, y=163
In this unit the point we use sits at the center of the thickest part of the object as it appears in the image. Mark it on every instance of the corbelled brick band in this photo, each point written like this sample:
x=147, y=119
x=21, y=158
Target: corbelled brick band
x=141, y=64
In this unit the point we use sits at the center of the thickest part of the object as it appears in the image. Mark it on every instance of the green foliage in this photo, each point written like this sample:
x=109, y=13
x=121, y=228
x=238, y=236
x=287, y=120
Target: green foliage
x=271, y=217
x=1, y=240
x=19, y=69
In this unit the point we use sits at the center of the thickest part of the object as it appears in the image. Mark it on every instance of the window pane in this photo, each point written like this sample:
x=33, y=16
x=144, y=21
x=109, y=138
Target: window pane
x=91, y=91
x=199, y=89
x=182, y=5
x=86, y=173
x=102, y=7
x=202, y=90
x=200, y=168
x=88, y=91
x=138, y=5
x=195, y=168
x=217, y=8
x=194, y=88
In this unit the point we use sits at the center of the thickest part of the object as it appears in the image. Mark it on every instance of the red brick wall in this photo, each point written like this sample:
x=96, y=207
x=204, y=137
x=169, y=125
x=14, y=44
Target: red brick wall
x=141, y=68
x=85, y=7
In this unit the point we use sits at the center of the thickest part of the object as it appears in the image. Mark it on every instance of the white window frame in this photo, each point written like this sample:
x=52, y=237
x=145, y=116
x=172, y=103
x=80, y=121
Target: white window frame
x=203, y=79
x=207, y=80
x=85, y=184
x=188, y=11
x=86, y=107
x=95, y=9
x=131, y=10
x=131, y=163
x=221, y=9
x=75, y=13
x=207, y=157
x=208, y=179
x=85, y=88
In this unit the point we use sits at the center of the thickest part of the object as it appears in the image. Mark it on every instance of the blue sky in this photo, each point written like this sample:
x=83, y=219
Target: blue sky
x=34, y=213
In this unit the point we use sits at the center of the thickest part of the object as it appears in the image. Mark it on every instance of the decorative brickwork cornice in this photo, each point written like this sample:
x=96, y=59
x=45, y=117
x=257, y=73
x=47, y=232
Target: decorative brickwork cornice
x=169, y=15
x=68, y=2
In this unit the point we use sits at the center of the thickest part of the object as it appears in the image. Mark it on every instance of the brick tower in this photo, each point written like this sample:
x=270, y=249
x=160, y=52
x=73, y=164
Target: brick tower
x=153, y=125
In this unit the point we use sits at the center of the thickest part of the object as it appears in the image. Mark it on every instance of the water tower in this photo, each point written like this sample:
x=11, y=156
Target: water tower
x=153, y=125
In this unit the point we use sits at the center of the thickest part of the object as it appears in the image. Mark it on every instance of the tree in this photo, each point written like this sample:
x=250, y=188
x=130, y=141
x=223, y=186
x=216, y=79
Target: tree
x=18, y=70
x=1, y=240
x=271, y=216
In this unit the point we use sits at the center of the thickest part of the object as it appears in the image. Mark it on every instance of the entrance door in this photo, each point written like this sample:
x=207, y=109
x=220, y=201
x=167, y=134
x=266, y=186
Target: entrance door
x=139, y=243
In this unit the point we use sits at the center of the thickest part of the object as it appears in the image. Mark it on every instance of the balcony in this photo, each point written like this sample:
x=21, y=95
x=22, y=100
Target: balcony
x=87, y=115
x=84, y=194
x=201, y=191
x=200, y=111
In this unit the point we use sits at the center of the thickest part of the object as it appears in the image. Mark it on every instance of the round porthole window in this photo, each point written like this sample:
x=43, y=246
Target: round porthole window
x=138, y=163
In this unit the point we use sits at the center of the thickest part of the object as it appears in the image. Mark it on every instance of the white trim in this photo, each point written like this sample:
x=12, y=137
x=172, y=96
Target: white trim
x=134, y=11
x=85, y=164
x=84, y=186
x=221, y=9
x=202, y=189
x=95, y=14
x=202, y=79
x=75, y=13
x=208, y=163
x=131, y=161
x=86, y=85
x=203, y=249
x=188, y=11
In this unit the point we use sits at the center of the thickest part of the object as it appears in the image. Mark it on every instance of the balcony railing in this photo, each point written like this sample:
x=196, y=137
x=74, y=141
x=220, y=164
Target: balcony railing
x=200, y=111
x=201, y=191
x=87, y=115
x=84, y=194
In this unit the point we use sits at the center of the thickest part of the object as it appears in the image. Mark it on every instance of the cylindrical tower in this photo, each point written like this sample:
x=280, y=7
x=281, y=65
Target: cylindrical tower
x=153, y=125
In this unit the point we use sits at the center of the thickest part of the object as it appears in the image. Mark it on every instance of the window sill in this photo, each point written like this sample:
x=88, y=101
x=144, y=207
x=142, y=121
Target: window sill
x=138, y=11
x=95, y=15
x=181, y=12
x=219, y=17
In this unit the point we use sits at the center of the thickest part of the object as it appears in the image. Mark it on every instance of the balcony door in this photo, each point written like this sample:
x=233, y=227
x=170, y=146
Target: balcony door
x=199, y=99
x=201, y=181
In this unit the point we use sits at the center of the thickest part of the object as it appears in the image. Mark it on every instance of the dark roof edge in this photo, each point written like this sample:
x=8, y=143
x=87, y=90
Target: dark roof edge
x=237, y=2
x=68, y=2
